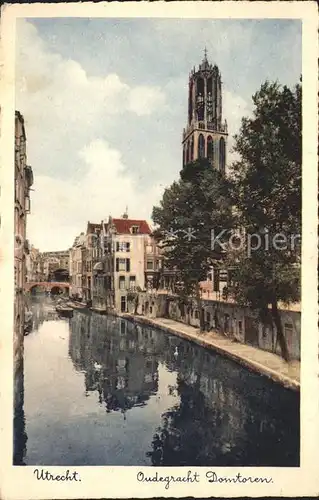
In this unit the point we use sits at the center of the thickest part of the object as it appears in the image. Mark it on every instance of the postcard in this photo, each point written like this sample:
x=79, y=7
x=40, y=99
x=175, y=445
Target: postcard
x=158, y=293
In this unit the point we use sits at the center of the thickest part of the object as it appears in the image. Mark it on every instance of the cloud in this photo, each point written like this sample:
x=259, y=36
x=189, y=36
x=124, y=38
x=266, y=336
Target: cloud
x=60, y=210
x=70, y=117
x=145, y=100
x=105, y=104
x=64, y=107
x=235, y=107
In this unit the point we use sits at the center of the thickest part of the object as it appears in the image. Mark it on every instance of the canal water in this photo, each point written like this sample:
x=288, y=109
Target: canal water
x=98, y=390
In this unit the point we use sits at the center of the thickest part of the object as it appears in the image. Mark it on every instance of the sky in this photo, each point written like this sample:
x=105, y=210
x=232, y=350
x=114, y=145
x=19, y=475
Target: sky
x=105, y=103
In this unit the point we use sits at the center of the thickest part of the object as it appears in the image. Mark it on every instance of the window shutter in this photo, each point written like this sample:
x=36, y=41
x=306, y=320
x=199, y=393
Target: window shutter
x=117, y=265
x=117, y=246
x=128, y=246
x=128, y=265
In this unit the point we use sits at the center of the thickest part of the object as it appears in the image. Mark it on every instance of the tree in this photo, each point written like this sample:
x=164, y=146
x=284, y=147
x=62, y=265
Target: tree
x=134, y=296
x=190, y=209
x=266, y=191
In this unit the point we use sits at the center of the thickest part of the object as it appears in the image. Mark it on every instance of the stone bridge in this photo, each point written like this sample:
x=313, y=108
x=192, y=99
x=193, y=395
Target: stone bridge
x=48, y=286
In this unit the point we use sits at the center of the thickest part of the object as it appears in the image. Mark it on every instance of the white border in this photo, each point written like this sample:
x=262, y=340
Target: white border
x=120, y=482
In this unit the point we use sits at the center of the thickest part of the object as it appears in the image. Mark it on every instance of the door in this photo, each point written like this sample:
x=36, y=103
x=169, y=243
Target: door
x=123, y=304
x=251, y=331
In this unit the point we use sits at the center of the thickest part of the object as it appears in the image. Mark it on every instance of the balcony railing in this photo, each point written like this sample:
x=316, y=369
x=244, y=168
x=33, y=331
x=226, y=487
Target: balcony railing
x=201, y=125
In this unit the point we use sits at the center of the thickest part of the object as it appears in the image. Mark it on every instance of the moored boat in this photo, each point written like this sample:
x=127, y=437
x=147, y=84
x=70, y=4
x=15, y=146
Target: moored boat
x=64, y=310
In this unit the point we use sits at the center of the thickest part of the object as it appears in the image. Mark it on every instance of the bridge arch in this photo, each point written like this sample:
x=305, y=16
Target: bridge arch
x=37, y=288
x=57, y=290
x=47, y=286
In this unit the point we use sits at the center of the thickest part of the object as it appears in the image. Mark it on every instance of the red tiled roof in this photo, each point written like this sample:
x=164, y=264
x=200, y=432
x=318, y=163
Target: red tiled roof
x=123, y=226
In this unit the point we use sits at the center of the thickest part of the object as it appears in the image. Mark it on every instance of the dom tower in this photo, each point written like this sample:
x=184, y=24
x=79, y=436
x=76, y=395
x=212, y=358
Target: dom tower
x=206, y=134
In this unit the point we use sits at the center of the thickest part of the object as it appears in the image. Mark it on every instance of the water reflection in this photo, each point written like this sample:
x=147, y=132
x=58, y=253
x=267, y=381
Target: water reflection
x=119, y=365
x=19, y=433
x=127, y=395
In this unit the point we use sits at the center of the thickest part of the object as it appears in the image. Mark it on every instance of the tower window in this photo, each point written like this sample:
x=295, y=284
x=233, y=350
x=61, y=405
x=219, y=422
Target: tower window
x=200, y=87
x=189, y=154
x=201, y=146
x=210, y=149
x=190, y=102
x=222, y=154
x=200, y=99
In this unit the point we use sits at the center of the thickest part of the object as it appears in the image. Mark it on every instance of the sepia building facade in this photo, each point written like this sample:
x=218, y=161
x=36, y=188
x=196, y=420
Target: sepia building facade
x=34, y=265
x=23, y=178
x=55, y=265
x=91, y=254
x=126, y=260
x=76, y=266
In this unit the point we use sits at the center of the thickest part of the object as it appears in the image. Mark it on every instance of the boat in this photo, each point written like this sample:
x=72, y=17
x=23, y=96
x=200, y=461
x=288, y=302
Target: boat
x=64, y=310
x=76, y=305
x=28, y=322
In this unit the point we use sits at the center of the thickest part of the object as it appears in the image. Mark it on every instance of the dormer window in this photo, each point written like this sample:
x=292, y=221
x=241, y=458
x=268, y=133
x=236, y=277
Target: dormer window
x=134, y=229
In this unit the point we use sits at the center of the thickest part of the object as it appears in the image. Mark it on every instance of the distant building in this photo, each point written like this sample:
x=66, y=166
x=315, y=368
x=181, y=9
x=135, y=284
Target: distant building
x=34, y=267
x=76, y=269
x=23, y=177
x=90, y=256
x=55, y=265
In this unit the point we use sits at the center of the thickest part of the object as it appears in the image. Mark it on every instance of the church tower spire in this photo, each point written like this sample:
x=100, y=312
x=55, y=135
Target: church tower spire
x=205, y=135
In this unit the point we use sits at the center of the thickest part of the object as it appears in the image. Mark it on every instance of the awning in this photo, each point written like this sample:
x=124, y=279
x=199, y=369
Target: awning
x=98, y=266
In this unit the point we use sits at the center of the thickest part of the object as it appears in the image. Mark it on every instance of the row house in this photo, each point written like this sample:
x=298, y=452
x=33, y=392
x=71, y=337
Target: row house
x=90, y=255
x=76, y=267
x=126, y=260
x=84, y=254
x=23, y=177
x=55, y=265
x=112, y=259
x=34, y=265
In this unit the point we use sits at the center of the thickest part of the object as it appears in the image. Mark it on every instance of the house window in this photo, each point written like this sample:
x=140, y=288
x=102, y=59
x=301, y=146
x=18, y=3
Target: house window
x=122, y=246
x=123, y=303
x=122, y=282
x=149, y=265
x=132, y=282
x=240, y=327
x=135, y=229
x=122, y=264
x=27, y=204
x=196, y=314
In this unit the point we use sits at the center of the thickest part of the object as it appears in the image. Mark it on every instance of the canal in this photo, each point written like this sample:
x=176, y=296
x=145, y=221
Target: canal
x=98, y=390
